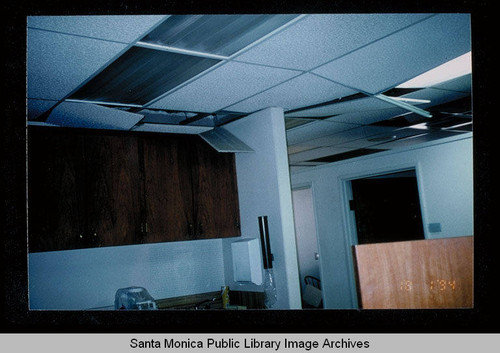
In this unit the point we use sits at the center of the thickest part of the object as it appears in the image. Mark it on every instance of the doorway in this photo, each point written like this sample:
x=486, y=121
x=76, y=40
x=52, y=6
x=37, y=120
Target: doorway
x=307, y=243
x=387, y=208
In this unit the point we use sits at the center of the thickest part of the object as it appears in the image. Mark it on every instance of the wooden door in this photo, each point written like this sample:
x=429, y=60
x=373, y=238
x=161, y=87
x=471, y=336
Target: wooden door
x=215, y=192
x=168, y=191
x=418, y=274
x=114, y=190
x=56, y=206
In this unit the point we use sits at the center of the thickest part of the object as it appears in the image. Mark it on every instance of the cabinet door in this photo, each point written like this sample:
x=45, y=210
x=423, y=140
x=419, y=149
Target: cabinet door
x=168, y=192
x=114, y=190
x=56, y=210
x=215, y=192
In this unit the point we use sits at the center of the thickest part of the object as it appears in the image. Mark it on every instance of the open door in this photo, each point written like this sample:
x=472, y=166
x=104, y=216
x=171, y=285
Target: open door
x=307, y=246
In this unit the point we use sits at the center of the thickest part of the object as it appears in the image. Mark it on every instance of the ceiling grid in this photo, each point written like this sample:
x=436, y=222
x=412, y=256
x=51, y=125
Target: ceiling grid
x=333, y=74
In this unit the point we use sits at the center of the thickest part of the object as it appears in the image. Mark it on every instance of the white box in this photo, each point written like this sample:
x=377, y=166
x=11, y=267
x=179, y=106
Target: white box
x=247, y=261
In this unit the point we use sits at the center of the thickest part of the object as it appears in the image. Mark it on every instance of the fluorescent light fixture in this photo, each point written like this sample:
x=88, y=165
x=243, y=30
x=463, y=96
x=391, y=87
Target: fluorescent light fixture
x=452, y=69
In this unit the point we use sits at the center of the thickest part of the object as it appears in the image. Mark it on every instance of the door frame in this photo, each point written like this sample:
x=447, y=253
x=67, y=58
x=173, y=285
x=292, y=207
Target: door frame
x=348, y=217
x=302, y=186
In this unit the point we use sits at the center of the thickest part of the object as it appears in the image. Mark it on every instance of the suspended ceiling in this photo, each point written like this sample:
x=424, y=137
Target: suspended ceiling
x=338, y=77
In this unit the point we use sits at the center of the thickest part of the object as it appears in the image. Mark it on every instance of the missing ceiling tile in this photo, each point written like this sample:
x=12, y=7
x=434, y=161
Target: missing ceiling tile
x=214, y=34
x=141, y=75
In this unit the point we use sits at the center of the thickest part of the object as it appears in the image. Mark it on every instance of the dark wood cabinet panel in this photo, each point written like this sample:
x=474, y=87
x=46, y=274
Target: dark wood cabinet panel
x=215, y=190
x=89, y=189
x=56, y=203
x=169, y=195
x=114, y=189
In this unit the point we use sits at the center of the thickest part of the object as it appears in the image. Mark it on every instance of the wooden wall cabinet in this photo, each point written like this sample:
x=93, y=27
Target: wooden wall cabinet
x=88, y=189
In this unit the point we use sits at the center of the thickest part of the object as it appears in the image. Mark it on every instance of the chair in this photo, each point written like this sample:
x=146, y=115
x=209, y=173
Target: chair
x=311, y=295
x=313, y=281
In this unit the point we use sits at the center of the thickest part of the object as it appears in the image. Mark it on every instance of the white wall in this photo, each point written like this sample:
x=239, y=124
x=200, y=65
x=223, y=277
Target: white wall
x=445, y=179
x=89, y=278
x=264, y=190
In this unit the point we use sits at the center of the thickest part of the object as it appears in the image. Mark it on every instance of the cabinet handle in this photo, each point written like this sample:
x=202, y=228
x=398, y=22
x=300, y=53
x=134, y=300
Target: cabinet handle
x=190, y=229
x=200, y=228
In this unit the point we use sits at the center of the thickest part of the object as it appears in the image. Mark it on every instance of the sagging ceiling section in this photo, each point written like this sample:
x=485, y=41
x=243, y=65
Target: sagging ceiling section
x=347, y=82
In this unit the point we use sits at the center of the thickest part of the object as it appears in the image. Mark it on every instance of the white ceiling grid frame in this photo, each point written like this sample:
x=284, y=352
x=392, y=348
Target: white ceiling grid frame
x=390, y=61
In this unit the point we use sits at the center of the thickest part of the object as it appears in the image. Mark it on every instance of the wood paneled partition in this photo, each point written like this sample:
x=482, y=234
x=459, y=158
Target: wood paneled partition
x=434, y=273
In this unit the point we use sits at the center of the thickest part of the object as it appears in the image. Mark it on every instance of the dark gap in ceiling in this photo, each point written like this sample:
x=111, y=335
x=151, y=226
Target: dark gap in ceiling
x=346, y=155
x=397, y=92
x=401, y=121
x=214, y=34
x=194, y=118
x=224, y=117
x=334, y=101
x=141, y=75
x=458, y=106
x=457, y=112
x=294, y=122
x=448, y=121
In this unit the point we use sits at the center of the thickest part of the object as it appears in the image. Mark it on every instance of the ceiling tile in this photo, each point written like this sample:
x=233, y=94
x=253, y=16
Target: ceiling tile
x=317, y=153
x=174, y=129
x=40, y=123
x=377, y=137
x=223, y=86
x=318, y=39
x=301, y=91
x=459, y=84
x=355, y=105
x=403, y=55
x=315, y=130
x=83, y=115
x=58, y=63
x=420, y=136
x=125, y=29
x=37, y=107
x=352, y=138
x=366, y=117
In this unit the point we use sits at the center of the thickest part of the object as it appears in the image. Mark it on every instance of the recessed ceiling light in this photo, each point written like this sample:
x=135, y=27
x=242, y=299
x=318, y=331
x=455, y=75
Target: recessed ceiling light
x=452, y=69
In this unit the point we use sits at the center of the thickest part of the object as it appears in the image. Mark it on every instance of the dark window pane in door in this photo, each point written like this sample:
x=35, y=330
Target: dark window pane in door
x=387, y=209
